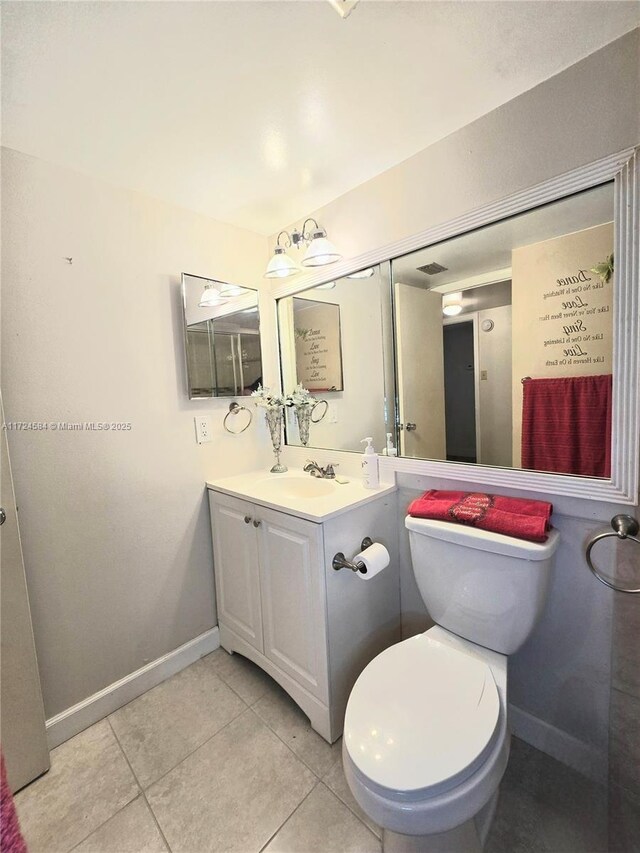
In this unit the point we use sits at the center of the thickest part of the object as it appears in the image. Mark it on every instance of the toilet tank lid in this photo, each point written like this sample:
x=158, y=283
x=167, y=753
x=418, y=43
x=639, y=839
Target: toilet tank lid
x=484, y=540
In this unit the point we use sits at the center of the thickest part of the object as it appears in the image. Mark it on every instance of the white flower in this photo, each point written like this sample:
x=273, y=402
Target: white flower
x=300, y=397
x=267, y=398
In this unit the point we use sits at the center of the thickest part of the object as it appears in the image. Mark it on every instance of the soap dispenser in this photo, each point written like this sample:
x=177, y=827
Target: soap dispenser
x=370, y=473
x=390, y=449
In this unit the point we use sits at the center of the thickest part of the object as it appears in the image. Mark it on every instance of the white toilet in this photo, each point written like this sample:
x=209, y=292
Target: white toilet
x=426, y=740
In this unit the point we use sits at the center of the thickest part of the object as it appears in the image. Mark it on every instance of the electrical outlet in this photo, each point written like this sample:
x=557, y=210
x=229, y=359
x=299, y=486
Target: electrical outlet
x=484, y=374
x=203, y=428
x=333, y=414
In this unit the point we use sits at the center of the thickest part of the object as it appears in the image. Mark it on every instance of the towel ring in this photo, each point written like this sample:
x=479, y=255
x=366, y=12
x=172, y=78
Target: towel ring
x=315, y=406
x=234, y=409
x=624, y=527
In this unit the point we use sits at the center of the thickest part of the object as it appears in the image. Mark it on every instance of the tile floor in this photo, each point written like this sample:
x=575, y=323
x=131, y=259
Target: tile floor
x=219, y=758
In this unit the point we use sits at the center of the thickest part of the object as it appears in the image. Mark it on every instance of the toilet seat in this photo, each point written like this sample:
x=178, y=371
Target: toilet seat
x=422, y=717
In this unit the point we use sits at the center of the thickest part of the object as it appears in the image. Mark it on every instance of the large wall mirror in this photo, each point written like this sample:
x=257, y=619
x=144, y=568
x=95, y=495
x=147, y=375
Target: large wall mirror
x=504, y=341
x=335, y=341
x=222, y=338
x=512, y=357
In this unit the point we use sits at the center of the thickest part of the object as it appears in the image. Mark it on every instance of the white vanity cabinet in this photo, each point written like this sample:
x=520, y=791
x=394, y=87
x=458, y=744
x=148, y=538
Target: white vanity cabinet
x=268, y=587
x=282, y=605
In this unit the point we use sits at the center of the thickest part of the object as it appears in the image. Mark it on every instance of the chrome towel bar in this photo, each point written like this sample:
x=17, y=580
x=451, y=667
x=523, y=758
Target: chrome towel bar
x=235, y=409
x=624, y=527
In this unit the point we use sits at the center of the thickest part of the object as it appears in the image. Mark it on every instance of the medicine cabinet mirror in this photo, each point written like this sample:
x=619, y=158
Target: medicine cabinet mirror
x=222, y=338
x=335, y=340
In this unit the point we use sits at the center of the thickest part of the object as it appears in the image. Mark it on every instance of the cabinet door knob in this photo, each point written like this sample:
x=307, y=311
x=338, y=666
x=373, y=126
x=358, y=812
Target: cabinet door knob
x=247, y=519
x=256, y=523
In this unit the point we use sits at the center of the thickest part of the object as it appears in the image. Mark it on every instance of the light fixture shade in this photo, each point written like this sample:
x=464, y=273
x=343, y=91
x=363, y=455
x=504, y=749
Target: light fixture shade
x=320, y=252
x=362, y=273
x=211, y=297
x=280, y=265
x=231, y=290
x=452, y=309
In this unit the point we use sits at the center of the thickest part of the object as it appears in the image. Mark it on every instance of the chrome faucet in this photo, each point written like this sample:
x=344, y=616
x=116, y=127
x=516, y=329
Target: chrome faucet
x=315, y=470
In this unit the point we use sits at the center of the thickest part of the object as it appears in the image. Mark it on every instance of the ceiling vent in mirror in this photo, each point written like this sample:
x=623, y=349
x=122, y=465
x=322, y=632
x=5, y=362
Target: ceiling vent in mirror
x=432, y=269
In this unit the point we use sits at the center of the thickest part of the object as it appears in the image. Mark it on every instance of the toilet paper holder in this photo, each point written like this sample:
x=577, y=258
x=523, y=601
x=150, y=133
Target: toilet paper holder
x=340, y=561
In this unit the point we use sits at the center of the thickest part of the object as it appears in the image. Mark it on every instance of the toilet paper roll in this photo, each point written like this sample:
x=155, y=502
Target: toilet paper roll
x=375, y=557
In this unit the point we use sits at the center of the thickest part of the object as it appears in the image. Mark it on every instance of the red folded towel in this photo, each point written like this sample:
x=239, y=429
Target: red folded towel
x=517, y=517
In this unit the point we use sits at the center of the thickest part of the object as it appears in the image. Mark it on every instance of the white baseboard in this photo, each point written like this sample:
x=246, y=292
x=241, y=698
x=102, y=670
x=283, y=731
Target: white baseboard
x=68, y=723
x=583, y=757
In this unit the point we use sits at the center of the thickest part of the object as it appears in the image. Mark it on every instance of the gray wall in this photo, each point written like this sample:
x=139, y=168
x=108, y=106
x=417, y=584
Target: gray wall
x=560, y=680
x=115, y=525
x=624, y=751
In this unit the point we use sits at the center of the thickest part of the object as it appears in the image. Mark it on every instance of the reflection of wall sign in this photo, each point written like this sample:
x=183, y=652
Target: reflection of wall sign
x=318, y=344
x=570, y=325
x=575, y=320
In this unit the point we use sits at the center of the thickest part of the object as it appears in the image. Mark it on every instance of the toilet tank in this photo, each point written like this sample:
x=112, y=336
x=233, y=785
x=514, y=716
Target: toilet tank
x=482, y=586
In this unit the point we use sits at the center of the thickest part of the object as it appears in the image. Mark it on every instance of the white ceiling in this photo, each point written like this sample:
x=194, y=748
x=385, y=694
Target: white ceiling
x=258, y=112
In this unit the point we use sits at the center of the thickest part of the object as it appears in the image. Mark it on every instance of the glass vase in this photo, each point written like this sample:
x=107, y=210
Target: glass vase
x=303, y=416
x=274, y=422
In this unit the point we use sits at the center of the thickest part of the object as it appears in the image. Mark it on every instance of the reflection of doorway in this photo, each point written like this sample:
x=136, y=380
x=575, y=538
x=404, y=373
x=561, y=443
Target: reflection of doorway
x=460, y=391
x=420, y=374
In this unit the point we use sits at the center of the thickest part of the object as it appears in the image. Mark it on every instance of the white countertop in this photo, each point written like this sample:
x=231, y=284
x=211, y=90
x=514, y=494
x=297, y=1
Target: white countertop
x=299, y=494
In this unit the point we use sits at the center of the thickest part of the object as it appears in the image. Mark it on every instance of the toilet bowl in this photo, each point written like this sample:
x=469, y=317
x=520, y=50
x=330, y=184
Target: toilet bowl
x=426, y=740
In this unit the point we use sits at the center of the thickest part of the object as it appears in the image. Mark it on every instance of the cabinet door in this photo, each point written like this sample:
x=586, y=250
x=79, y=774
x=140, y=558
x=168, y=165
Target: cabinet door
x=235, y=552
x=293, y=598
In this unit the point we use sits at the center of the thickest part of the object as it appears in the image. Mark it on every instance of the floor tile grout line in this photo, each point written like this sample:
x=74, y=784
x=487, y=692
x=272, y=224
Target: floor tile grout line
x=231, y=687
x=182, y=760
x=357, y=816
x=117, y=812
x=292, y=751
x=142, y=791
x=157, y=822
x=289, y=816
x=122, y=808
x=128, y=803
x=122, y=750
x=626, y=692
x=351, y=809
x=264, y=722
x=233, y=690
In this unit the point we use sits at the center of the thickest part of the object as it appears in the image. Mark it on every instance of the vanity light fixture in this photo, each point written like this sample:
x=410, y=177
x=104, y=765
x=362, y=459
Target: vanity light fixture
x=217, y=292
x=320, y=251
x=362, y=273
x=231, y=290
x=328, y=286
x=211, y=296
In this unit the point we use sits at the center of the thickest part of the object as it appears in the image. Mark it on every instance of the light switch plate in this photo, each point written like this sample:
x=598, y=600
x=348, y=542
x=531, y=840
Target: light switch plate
x=203, y=428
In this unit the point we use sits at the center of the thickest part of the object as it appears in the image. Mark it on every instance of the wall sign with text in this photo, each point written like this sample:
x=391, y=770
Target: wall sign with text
x=565, y=311
x=318, y=345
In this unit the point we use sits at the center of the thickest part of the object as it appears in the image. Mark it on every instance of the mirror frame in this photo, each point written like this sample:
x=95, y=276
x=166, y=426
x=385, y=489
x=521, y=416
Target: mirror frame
x=624, y=169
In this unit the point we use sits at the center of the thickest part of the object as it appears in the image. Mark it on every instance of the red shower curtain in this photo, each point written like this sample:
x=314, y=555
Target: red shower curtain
x=566, y=425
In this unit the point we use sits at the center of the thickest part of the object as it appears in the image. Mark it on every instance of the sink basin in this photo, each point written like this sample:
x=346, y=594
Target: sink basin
x=296, y=487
